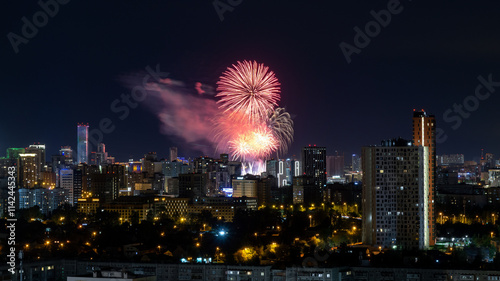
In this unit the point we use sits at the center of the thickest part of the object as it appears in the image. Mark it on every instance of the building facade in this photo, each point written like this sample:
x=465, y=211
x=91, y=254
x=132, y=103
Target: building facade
x=395, y=195
x=314, y=164
x=424, y=134
x=82, y=143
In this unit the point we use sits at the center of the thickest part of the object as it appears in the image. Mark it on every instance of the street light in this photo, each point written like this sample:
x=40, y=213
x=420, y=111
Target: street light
x=310, y=221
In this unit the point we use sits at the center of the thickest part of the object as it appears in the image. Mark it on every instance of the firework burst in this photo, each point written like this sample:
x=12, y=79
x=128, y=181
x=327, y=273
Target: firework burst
x=251, y=127
x=281, y=124
x=250, y=89
x=253, y=144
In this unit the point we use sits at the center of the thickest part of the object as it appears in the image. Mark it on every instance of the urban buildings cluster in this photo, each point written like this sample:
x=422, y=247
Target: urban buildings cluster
x=74, y=270
x=94, y=180
x=402, y=187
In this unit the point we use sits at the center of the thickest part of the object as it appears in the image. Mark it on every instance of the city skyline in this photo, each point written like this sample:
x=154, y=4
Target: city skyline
x=249, y=140
x=404, y=66
x=165, y=153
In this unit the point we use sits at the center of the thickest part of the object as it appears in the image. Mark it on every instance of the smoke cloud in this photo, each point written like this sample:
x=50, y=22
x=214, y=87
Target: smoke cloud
x=184, y=113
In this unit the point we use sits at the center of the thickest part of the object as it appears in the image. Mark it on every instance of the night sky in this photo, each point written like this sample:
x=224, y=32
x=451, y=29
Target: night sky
x=429, y=56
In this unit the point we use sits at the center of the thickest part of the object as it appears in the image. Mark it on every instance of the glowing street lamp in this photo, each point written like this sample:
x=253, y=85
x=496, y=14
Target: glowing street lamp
x=310, y=221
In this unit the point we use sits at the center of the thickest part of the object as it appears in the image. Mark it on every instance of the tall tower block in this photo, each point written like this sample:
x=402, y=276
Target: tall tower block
x=82, y=143
x=424, y=134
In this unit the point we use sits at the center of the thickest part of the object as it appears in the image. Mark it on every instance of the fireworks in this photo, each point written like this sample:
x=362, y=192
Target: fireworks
x=250, y=89
x=251, y=127
x=281, y=124
x=258, y=143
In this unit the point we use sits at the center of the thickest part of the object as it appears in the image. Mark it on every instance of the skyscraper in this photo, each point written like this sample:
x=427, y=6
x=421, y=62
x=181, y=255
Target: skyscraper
x=173, y=154
x=424, y=134
x=276, y=168
x=101, y=156
x=13, y=153
x=335, y=165
x=28, y=172
x=83, y=143
x=67, y=152
x=396, y=195
x=314, y=164
x=67, y=182
x=39, y=151
x=356, y=163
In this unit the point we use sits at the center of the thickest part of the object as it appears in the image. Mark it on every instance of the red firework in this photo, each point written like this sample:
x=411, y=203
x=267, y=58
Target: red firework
x=248, y=89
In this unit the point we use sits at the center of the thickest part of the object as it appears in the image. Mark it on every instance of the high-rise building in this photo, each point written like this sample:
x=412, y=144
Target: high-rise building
x=314, y=164
x=173, y=154
x=490, y=159
x=67, y=152
x=193, y=185
x=77, y=183
x=83, y=143
x=39, y=151
x=395, y=195
x=66, y=182
x=28, y=171
x=107, y=181
x=13, y=153
x=148, y=163
x=356, y=163
x=335, y=165
x=424, y=134
x=276, y=168
x=48, y=179
x=202, y=164
x=101, y=156
x=296, y=167
x=46, y=199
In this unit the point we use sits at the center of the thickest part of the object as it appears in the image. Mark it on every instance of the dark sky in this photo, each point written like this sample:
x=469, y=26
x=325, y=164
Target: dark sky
x=429, y=56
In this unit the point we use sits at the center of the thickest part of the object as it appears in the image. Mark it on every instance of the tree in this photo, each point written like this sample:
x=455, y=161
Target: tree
x=134, y=218
x=30, y=213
